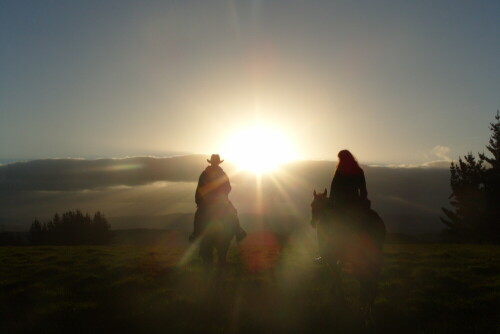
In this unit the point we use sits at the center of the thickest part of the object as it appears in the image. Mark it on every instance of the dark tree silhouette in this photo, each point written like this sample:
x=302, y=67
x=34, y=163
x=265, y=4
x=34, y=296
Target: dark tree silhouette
x=36, y=234
x=13, y=238
x=475, y=194
x=467, y=199
x=492, y=180
x=72, y=228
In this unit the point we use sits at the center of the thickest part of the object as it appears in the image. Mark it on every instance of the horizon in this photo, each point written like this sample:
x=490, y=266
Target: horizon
x=427, y=164
x=408, y=197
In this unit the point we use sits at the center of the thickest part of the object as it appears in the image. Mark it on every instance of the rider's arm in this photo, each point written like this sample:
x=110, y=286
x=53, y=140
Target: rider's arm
x=198, y=198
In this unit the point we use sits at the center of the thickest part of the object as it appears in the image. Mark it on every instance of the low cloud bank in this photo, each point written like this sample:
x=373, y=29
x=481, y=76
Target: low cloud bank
x=409, y=199
x=79, y=174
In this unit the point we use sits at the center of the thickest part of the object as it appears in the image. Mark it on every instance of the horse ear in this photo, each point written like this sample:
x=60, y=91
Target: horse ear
x=325, y=192
x=314, y=193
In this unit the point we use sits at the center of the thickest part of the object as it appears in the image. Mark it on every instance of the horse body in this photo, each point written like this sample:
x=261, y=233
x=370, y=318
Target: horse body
x=217, y=232
x=350, y=240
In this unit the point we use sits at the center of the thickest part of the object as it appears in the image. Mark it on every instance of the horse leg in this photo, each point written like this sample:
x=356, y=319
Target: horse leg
x=373, y=291
x=222, y=248
x=368, y=292
x=337, y=290
x=322, y=241
x=206, y=250
x=334, y=252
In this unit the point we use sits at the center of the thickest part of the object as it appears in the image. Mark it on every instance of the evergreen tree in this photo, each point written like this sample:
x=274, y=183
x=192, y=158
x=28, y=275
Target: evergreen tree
x=475, y=194
x=494, y=145
x=492, y=181
x=101, y=228
x=36, y=236
x=72, y=228
x=467, y=198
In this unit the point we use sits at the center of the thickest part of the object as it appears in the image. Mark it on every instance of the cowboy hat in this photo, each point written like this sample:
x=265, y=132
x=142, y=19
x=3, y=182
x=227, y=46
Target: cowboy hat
x=215, y=159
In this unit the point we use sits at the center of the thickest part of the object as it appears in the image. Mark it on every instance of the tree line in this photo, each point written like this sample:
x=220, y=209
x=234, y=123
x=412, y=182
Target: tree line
x=71, y=228
x=475, y=197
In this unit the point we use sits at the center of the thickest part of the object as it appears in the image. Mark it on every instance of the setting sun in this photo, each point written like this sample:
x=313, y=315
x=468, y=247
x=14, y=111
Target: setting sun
x=259, y=149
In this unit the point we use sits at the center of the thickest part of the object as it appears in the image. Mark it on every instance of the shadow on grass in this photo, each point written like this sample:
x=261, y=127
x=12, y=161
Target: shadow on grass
x=444, y=289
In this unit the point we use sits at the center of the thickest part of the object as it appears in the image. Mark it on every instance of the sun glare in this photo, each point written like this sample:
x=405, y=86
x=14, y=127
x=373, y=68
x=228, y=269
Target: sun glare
x=258, y=149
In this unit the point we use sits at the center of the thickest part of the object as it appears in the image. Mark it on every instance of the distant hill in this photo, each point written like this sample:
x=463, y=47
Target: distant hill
x=175, y=221
x=183, y=223
x=160, y=229
x=176, y=228
x=151, y=192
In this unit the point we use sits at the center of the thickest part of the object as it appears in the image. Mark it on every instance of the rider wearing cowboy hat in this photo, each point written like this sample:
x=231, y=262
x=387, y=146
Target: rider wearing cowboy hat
x=213, y=188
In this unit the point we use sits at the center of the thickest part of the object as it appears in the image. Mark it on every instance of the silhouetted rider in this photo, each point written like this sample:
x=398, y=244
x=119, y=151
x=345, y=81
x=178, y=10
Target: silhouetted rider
x=348, y=189
x=348, y=195
x=213, y=189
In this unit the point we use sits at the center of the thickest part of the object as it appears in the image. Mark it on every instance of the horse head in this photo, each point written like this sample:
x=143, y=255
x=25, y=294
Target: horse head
x=319, y=204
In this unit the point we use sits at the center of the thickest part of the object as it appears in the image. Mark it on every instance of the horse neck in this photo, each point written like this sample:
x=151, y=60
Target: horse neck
x=324, y=211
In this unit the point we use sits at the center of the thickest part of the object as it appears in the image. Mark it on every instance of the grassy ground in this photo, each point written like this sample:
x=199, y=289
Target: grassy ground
x=267, y=288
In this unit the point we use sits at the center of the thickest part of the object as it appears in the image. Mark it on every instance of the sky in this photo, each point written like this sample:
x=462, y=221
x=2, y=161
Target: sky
x=396, y=82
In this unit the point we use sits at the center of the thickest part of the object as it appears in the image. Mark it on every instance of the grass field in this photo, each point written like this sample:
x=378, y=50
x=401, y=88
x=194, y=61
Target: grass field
x=267, y=289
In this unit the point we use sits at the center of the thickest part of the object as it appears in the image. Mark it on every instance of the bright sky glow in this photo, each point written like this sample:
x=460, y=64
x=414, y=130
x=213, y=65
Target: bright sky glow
x=395, y=82
x=258, y=149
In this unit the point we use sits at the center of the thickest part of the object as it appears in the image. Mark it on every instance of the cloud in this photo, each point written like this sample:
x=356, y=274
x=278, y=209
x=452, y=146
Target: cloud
x=437, y=157
x=79, y=174
x=148, y=186
x=428, y=164
x=437, y=164
x=442, y=152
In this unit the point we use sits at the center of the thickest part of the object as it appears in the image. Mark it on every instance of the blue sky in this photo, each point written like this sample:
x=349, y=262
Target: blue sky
x=397, y=82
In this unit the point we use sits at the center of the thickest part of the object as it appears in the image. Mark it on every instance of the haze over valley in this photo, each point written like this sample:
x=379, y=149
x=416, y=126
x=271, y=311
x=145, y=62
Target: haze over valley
x=149, y=192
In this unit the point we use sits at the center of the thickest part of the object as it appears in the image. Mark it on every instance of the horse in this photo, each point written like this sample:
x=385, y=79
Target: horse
x=218, y=229
x=350, y=242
